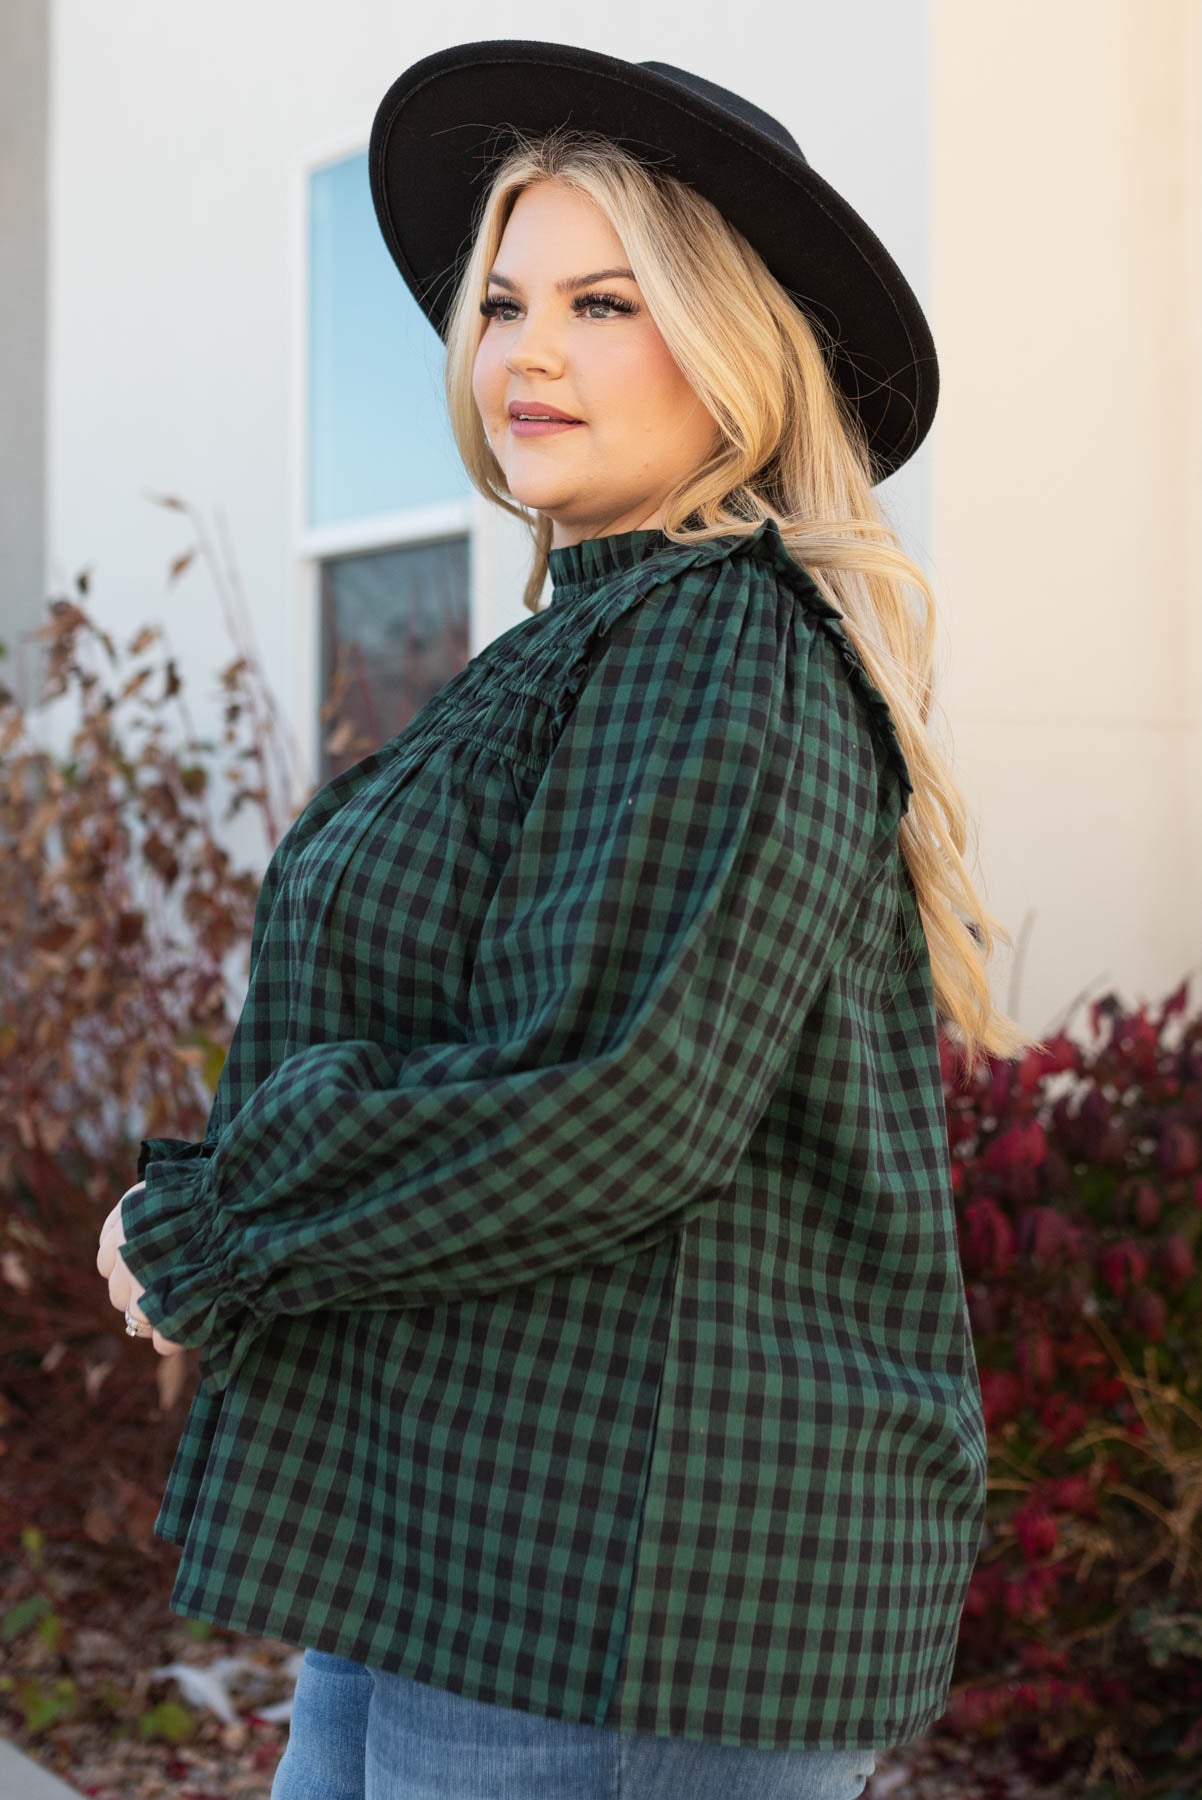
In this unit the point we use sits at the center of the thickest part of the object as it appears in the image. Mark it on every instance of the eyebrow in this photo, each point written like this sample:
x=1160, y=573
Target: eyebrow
x=572, y=281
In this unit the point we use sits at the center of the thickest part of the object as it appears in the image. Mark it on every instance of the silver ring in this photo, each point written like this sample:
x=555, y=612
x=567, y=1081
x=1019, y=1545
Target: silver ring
x=133, y=1327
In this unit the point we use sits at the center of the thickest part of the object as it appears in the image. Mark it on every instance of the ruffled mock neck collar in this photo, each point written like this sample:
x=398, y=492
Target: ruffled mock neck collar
x=594, y=560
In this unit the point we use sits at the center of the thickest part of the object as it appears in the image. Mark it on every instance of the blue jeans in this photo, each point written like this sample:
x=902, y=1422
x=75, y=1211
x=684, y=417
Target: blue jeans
x=363, y=1734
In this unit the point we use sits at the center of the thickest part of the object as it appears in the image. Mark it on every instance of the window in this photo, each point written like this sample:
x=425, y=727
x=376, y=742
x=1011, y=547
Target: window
x=378, y=438
x=394, y=628
x=388, y=508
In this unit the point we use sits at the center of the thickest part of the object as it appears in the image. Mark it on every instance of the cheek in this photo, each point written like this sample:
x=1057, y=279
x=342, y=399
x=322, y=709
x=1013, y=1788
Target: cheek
x=651, y=383
x=487, y=377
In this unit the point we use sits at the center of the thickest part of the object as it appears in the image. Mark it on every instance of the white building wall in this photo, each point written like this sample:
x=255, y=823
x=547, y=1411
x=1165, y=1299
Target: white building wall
x=24, y=84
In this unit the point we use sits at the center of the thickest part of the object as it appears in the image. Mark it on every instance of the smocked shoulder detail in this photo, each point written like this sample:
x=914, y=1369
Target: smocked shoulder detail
x=550, y=656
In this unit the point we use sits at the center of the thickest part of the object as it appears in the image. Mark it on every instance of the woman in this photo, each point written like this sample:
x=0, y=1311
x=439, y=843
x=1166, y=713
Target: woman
x=586, y=1374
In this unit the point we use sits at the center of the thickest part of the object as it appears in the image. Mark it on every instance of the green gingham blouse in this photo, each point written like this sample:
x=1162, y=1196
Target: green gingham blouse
x=572, y=1242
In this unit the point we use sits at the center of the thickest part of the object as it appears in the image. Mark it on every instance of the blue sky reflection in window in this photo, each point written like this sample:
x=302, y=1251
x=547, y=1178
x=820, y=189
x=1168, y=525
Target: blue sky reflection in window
x=378, y=440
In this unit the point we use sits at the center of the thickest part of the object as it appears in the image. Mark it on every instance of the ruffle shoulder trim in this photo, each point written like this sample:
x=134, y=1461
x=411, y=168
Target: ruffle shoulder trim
x=767, y=543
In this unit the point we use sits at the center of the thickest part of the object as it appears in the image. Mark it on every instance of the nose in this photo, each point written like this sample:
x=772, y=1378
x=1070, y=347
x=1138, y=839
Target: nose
x=531, y=346
x=523, y=362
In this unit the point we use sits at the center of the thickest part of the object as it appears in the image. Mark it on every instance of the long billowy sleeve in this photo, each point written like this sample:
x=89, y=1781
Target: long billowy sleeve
x=684, y=881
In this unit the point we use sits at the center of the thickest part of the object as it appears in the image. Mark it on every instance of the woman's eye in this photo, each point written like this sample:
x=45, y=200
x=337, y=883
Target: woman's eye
x=496, y=304
x=588, y=301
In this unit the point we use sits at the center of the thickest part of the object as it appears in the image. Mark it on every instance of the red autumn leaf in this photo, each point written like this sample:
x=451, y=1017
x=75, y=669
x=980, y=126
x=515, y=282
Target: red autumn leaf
x=1036, y=1531
x=990, y=1247
x=1075, y=1494
x=1146, y=1311
x=1177, y=1261
x=1177, y=1149
x=1022, y=1146
x=1054, y=1238
x=1121, y=1264
x=1001, y=1396
x=1147, y=1205
x=1037, y=1358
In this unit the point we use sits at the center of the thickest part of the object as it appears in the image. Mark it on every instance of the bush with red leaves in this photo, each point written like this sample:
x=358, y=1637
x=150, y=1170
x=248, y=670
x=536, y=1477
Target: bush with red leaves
x=122, y=913
x=1078, y=1181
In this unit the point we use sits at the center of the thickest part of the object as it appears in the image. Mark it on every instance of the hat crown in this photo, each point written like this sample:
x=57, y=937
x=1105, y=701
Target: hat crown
x=733, y=103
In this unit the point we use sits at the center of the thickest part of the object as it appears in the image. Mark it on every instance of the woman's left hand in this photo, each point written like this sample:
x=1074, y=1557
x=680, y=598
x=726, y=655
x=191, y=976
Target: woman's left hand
x=124, y=1287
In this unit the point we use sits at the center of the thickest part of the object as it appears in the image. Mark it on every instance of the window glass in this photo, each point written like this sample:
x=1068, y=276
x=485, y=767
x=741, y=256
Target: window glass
x=378, y=437
x=395, y=624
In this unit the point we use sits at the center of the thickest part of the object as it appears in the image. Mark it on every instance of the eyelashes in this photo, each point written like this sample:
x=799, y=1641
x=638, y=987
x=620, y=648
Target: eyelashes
x=497, y=303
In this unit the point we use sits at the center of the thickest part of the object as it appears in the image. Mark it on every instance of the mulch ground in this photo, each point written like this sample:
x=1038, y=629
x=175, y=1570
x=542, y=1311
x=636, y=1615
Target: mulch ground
x=128, y=1734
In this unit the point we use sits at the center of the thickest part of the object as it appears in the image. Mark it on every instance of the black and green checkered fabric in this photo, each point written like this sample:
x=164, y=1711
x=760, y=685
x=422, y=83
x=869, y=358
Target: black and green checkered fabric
x=572, y=1241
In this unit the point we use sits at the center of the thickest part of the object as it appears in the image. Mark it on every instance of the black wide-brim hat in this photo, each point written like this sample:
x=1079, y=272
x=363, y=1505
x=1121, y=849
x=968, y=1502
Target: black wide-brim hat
x=443, y=125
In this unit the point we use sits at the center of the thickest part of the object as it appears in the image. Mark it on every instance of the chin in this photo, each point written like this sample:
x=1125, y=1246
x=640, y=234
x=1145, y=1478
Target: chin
x=530, y=493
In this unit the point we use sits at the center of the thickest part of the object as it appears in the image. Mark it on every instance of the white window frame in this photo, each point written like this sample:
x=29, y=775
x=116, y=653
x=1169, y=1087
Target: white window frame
x=311, y=546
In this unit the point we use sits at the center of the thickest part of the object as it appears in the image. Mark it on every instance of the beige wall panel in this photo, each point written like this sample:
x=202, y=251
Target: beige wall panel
x=1066, y=188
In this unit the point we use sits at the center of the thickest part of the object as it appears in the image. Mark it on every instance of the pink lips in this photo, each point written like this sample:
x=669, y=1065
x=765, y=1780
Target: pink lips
x=542, y=427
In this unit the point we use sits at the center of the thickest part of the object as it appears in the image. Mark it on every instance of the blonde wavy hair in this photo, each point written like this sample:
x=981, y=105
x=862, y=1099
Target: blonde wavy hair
x=788, y=448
